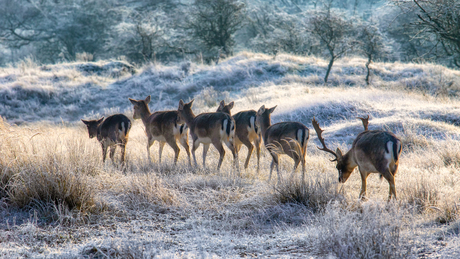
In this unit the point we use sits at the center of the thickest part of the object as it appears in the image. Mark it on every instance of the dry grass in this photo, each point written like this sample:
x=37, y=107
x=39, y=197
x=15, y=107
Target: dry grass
x=57, y=199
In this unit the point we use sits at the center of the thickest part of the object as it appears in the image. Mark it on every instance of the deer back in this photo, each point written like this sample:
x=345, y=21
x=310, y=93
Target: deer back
x=213, y=124
x=376, y=148
x=114, y=128
x=287, y=130
x=163, y=123
x=246, y=126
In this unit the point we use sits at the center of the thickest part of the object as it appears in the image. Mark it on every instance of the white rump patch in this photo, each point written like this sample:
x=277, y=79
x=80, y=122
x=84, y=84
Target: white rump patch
x=176, y=130
x=252, y=124
x=299, y=136
x=389, y=155
x=223, y=129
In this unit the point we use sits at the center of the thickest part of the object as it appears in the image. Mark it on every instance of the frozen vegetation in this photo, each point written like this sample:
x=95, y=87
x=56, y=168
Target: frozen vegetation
x=57, y=199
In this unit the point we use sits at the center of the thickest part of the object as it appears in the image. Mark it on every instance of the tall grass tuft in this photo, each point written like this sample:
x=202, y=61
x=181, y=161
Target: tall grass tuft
x=316, y=193
x=47, y=170
x=372, y=231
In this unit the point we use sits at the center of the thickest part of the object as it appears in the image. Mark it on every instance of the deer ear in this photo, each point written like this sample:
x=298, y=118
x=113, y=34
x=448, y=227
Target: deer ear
x=191, y=103
x=272, y=109
x=147, y=99
x=134, y=102
x=230, y=105
x=100, y=120
x=85, y=122
x=261, y=110
x=181, y=104
x=339, y=154
x=221, y=105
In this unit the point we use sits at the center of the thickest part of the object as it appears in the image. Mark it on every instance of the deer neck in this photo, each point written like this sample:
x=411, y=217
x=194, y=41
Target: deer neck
x=350, y=160
x=145, y=115
x=188, y=116
x=264, y=125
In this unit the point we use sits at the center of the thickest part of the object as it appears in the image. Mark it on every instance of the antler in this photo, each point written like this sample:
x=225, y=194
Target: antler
x=318, y=132
x=365, y=122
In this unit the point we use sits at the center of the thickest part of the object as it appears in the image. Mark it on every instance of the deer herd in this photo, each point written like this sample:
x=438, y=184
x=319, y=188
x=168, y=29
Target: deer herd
x=373, y=151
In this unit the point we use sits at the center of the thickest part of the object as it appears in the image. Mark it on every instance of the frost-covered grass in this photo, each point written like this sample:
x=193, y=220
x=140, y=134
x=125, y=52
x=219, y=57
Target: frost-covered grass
x=57, y=199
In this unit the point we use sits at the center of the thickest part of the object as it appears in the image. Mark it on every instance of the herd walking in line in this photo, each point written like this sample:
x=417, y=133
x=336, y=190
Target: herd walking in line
x=373, y=151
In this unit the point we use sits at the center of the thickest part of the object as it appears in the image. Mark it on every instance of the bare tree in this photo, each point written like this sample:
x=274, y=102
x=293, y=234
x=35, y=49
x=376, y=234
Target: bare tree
x=372, y=43
x=442, y=18
x=334, y=32
x=214, y=23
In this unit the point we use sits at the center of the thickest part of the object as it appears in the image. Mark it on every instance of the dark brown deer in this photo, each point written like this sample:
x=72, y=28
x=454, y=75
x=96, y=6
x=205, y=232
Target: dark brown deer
x=373, y=151
x=246, y=132
x=279, y=137
x=162, y=126
x=209, y=128
x=111, y=132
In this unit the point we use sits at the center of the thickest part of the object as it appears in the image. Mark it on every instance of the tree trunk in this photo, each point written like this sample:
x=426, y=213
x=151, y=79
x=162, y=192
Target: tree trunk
x=369, y=60
x=329, y=67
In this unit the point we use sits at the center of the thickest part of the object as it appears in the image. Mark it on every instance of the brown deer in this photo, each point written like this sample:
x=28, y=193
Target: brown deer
x=162, y=126
x=373, y=151
x=111, y=132
x=246, y=132
x=209, y=128
x=288, y=138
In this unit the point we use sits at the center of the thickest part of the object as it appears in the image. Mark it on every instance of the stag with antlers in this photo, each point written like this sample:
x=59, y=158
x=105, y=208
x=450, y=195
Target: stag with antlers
x=373, y=151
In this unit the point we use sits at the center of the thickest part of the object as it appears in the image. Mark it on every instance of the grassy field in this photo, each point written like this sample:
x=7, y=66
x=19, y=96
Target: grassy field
x=57, y=198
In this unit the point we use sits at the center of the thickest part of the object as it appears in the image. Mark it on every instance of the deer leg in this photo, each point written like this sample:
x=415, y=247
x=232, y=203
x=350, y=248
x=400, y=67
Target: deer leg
x=160, y=151
x=194, y=147
x=104, y=152
x=175, y=147
x=112, y=152
x=220, y=148
x=205, y=152
x=184, y=143
x=273, y=164
x=149, y=144
x=123, y=150
x=391, y=181
x=250, y=147
x=234, y=148
x=257, y=142
x=362, y=194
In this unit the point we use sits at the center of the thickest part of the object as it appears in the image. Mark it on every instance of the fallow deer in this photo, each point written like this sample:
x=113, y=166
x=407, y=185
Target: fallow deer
x=246, y=132
x=279, y=137
x=373, y=151
x=111, y=132
x=162, y=126
x=209, y=128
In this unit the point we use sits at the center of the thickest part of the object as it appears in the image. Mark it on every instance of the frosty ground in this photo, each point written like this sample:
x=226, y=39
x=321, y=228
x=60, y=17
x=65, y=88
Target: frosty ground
x=59, y=200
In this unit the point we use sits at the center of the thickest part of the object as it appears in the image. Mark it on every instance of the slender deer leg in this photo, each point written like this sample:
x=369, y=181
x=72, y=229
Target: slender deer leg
x=205, y=152
x=160, y=151
x=234, y=149
x=258, y=140
x=250, y=147
x=273, y=164
x=112, y=152
x=194, y=147
x=149, y=144
x=362, y=194
x=104, y=152
x=184, y=143
x=391, y=181
x=123, y=150
x=173, y=144
x=221, y=150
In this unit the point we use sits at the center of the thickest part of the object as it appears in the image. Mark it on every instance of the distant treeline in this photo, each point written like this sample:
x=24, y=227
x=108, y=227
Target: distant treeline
x=141, y=31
